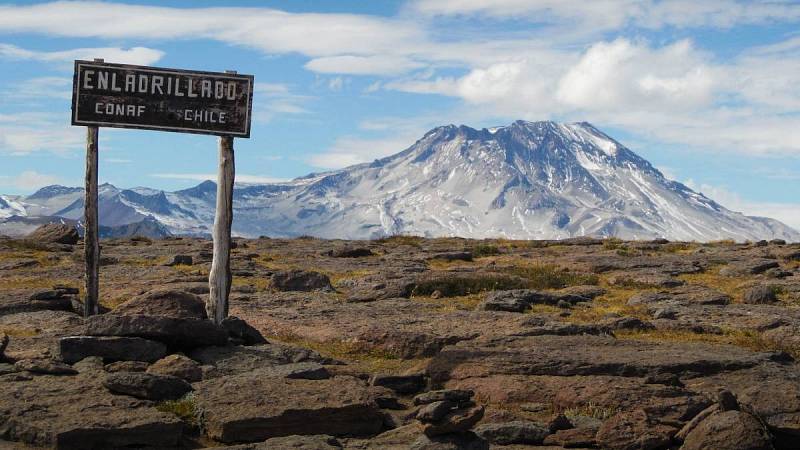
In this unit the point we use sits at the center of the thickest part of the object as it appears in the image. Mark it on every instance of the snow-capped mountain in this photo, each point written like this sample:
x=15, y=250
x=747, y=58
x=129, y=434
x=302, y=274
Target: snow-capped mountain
x=528, y=180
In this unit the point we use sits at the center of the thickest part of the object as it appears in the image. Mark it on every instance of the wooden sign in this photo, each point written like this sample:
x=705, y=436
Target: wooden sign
x=152, y=98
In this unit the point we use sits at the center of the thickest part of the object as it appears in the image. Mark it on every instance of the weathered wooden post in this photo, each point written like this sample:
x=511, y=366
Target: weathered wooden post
x=219, y=279
x=91, y=241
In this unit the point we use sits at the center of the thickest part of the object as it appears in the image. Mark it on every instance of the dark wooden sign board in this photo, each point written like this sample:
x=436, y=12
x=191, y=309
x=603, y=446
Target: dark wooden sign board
x=152, y=98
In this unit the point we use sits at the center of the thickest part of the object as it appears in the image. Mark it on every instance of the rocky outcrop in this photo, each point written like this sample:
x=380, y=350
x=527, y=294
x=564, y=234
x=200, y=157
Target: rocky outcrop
x=252, y=407
x=72, y=349
x=55, y=233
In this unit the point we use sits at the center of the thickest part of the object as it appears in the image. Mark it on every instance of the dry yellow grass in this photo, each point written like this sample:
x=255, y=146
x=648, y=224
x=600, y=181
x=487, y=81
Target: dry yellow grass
x=18, y=331
x=712, y=279
x=749, y=339
x=32, y=282
x=615, y=301
x=358, y=356
x=450, y=304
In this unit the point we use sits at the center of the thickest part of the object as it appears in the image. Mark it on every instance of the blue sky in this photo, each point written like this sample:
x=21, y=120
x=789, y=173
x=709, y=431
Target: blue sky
x=708, y=91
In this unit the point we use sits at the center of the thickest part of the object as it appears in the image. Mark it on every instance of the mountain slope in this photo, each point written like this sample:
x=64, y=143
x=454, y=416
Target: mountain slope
x=528, y=180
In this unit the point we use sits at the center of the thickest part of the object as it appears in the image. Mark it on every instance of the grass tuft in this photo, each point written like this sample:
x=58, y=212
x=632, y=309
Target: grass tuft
x=184, y=408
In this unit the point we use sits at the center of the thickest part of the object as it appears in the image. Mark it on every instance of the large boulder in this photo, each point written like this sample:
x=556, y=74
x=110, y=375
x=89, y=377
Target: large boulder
x=55, y=233
x=148, y=386
x=251, y=407
x=72, y=349
x=175, y=332
x=761, y=294
x=456, y=421
x=165, y=303
x=75, y=412
x=231, y=360
x=300, y=280
x=729, y=430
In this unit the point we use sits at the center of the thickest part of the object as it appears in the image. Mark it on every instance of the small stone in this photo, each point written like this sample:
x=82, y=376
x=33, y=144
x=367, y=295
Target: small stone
x=455, y=421
x=147, y=386
x=243, y=331
x=177, y=366
x=127, y=366
x=516, y=432
x=434, y=412
x=300, y=280
x=760, y=295
x=89, y=364
x=564, y=304
x=454, y=395
x=727, y=401
x=559, y=422
x=402, y=384
x=665, y=378
x=181, y=260
x=778, y=242
x=436, y=294
x=665, y=313
x=44, y=367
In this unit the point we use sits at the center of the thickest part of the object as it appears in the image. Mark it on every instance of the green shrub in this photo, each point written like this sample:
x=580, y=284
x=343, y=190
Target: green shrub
x=548, y=276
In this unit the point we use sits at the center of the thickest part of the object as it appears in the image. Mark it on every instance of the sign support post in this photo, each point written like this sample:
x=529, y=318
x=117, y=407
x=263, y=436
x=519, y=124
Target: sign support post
x=220, y=278
x=91, y=241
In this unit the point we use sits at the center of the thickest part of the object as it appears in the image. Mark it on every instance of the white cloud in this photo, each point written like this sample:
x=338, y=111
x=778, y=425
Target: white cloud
x=135, y=55
x=25, y=133
x=265, y=29
x=28, y=180
x=117, y=160
x=788, y=213
x=41, y=87
x=336, y=84
x=350, y=150
x=601, y=15
x=240, y=177
x=363, y=65
x=276, y=99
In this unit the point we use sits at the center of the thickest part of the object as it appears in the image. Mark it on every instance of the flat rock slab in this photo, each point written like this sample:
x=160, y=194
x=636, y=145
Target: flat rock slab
x=252, y=407
x=175, y=332
x=231, y=360
x=76, y=412
x=72, y=349
x=587, y=355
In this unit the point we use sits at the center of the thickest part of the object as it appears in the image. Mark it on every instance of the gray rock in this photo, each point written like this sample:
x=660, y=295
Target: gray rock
x=177, y=366
x=729, y=430
x=181, y=260
x=44, y=367
x=55, y=233
x=350, y=252
x=456, y=421
x=147, y=386
x=252, y=407
x=516, y=432
x=175, y=332
x=76, y=413
x=72, y=349
x=127, y=366
x=434, y=412
x=760, y=295
x=235, y=359
x=402, y=384
x=457, y=441
x=300, y=280
x=165, y=302
x=452, y=395
x=240, y=330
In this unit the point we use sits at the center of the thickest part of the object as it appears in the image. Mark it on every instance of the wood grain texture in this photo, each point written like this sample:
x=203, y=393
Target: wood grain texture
x=219, y=279
x=90, y=239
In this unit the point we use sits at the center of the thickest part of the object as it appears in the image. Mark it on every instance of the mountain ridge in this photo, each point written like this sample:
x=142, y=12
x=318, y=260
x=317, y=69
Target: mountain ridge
x=528, y=180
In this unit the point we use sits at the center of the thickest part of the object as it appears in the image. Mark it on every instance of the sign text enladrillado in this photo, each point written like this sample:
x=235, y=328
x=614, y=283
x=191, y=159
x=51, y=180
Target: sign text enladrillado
x=117, y=95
